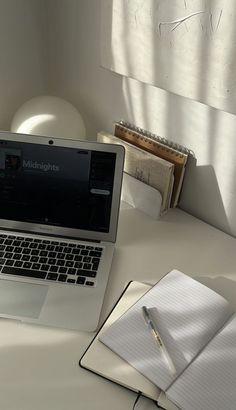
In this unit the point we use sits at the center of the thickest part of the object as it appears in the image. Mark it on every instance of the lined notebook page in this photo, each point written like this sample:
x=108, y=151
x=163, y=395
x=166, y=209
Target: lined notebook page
x=209, y=382
x=187, y=314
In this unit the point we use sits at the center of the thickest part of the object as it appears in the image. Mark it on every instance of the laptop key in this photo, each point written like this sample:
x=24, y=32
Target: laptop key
x=85, y=252
x=35, y=252
x=58, y=249
x=26, y=251
x=60, y=262
x=62, y=278
x=95, y=253
x=53, y=268
x=52, y=276
x=33, y=245
x=76, y=251
x=69, y=257
x=34, y=259
x=25, y=258
x=60, y=256
x=42, y=246
x=36, y=266
x=44, y=267
x=95, y=265
x=9, y=262
x=70, y=264
x=78, y=265
x=87, y=259
x=52, y=261
x=27, y=265
x=18, y=264
x=89, y=283
x=23, y=272
x=83, y=272
x=66, y=249
x=8, y=241
x=51, y=254
x=8, y=255
x=87, y=266
x=63, y=270
x=50, y=247
x=17, y=256
x=78, y=258
x=80, y=280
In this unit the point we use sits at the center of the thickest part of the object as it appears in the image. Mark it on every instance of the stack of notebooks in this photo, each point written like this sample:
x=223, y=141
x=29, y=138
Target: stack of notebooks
x=151, y=159
x=197, y=330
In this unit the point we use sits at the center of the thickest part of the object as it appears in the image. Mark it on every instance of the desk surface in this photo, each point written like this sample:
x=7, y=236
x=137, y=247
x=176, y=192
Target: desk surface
x=39, y=366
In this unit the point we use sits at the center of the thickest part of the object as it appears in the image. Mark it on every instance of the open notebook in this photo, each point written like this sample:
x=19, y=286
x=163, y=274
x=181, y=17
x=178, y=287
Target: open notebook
x=102, y=361
x=198, y=328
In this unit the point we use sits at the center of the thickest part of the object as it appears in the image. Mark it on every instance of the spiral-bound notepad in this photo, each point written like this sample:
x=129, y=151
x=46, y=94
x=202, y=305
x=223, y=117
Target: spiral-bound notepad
x=161, y=147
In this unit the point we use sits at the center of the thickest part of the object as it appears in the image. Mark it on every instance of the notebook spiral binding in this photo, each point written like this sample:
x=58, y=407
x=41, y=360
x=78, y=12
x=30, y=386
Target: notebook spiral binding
x=153, y=137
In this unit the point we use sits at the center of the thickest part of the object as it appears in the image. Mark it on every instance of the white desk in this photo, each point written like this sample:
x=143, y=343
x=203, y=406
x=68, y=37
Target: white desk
x=38, y=366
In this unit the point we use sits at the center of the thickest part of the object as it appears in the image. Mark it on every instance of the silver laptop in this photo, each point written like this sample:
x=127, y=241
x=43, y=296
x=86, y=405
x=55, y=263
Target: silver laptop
x=59, y=207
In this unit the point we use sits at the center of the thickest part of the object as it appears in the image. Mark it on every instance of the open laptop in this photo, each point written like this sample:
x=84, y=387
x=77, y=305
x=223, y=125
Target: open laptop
x=59, y=207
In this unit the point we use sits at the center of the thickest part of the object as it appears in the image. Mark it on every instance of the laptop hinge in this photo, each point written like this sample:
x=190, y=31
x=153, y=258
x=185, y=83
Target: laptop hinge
x=48, y=235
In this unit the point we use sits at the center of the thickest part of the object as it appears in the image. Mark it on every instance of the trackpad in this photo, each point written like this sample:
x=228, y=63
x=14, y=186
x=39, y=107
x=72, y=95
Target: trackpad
x=21, y=299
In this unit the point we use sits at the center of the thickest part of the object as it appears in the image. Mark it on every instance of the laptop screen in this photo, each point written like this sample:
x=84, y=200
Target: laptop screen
x=57, y=186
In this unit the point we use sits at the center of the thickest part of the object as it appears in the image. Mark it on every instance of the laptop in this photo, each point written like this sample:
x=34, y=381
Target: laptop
x=59, y=208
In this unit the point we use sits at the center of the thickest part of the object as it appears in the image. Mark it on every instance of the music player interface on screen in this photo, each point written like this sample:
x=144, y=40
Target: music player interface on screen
x=56, y=185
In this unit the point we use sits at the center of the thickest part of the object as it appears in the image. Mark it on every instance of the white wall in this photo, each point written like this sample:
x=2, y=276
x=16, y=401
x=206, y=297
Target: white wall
x=22, y=55
x=74, y=71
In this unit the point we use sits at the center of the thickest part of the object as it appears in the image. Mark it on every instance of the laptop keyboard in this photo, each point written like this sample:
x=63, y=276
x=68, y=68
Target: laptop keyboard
x=62, y=262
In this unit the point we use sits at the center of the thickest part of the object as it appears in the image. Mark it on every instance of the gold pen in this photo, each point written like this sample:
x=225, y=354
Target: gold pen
x=154, y=331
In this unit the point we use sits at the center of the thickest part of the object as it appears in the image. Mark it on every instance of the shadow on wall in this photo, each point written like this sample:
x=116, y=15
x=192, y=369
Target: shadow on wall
x=200, y=186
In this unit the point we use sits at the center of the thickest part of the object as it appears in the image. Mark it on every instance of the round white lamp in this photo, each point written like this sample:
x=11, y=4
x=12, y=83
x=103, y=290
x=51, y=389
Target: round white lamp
x=50, y=116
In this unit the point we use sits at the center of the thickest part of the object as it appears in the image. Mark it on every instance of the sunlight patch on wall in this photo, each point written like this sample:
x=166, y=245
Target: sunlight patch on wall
x=184, y=47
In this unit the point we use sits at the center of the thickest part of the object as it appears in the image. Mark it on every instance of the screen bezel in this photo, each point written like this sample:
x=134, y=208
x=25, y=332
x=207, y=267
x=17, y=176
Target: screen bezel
x=109, y=236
